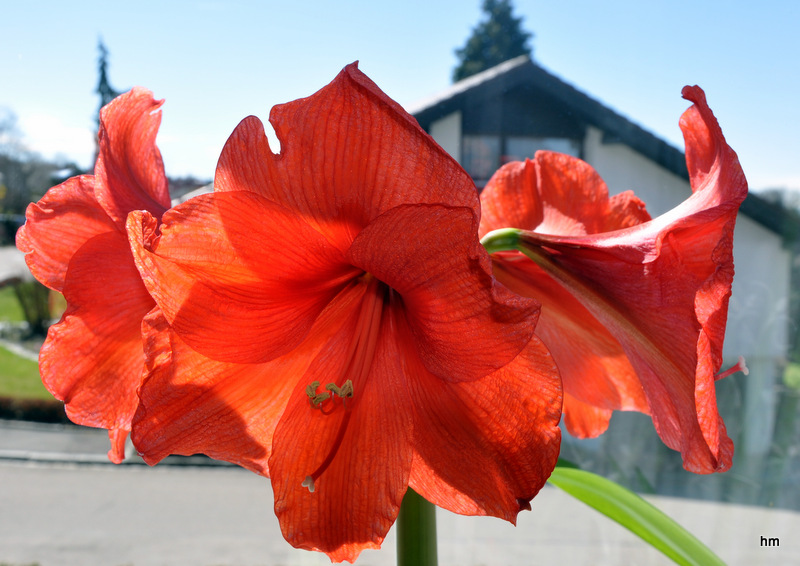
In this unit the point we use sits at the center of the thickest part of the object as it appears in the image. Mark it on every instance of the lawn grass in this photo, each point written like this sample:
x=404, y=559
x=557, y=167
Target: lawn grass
x=19, y=378
x=10, y=310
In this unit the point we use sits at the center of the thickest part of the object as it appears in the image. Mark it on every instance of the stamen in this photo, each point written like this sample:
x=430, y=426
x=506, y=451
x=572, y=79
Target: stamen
x=740, y=366
x=345, y=391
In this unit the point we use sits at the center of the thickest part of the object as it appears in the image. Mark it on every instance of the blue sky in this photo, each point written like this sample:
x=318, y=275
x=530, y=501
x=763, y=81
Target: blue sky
x=216, y=62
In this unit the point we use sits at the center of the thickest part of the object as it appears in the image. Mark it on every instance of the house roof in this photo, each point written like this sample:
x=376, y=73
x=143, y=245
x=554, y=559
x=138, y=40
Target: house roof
x=523, y=72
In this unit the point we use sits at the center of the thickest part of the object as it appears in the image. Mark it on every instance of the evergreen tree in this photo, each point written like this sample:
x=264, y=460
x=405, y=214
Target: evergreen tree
x=498, y=38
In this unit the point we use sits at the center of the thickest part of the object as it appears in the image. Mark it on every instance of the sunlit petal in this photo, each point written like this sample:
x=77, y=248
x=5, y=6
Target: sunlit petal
x=486, y=447
x=93, y=358
x=239, y=278
x=129, y=172
x=61, y=222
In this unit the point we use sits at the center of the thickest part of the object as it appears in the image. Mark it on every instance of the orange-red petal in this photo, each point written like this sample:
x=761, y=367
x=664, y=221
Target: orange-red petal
x=348, y=153
x=594, y=368
x=129, y=171
x=75, y=242
x=60, y=223
x=93, y=359
x=239, y=278
x=486, y=447
x=569, y=199
x=191, y=404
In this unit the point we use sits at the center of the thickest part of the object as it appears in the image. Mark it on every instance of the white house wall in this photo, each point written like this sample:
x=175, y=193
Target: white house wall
x=447, y=133
x=623, y=169
x=758, y=312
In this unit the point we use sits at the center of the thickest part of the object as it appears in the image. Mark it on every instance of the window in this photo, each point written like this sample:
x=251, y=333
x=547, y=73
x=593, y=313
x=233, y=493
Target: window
x=518, y=148
x=480, y=156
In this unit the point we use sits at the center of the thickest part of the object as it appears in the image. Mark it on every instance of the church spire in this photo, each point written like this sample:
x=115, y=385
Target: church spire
x=104, y=89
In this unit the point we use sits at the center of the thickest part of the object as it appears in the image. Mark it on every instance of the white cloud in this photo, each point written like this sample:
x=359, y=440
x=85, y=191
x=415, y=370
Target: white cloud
x=52, y=138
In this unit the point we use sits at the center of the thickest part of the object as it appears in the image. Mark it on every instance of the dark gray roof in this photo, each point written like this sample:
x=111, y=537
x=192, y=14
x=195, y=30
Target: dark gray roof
x=523, y=72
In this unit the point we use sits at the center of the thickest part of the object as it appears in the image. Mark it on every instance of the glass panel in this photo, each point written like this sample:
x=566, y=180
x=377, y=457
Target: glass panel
x=481, y=156
x=518, y=148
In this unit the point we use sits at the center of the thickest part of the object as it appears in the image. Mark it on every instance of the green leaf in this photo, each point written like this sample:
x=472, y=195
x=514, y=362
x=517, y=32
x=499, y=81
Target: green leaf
x=635, y=514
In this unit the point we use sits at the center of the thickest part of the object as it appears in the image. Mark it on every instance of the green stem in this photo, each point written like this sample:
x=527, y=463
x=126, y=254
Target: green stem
x=501, y=240
x=416, y=531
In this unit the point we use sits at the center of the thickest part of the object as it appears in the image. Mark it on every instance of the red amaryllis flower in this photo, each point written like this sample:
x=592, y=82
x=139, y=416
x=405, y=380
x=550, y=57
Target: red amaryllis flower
x=76, y=243
x=634, y=309
x=335, y=326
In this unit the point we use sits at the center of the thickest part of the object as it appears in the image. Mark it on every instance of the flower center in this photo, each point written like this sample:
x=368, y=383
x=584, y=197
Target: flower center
x=358, y=362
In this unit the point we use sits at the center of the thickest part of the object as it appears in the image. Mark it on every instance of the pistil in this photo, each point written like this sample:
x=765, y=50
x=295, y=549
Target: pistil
x=740, y=366
x=355, y=370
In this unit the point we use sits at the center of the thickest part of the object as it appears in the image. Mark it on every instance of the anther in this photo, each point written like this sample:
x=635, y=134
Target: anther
x=316, y=398
x=333, y=390
x=345, y=391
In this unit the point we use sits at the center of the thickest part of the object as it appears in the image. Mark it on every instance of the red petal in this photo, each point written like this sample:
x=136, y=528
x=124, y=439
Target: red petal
x=118, y=438
x=191, y=404
x=347, y=152
x=584, y=420
x=357, y=498
x=61, y=222
x=92, y=359
x=486, y=447
x=444, y=277
x=593, y=366
x=184, y=391
x=239, y=278
x=570, y=199
x=129, y=171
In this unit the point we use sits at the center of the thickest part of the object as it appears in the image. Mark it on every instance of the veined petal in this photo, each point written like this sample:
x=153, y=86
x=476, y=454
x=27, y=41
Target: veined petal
x=594, y=368
x=239, y=278
x=191, y=404
x=93, y=359
x=556, y=194
x=347, y=152
x=357, y=497
x=129, y=171
x=444, y=277
x=486, y=447
x=59, y=224
x=649, y=307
